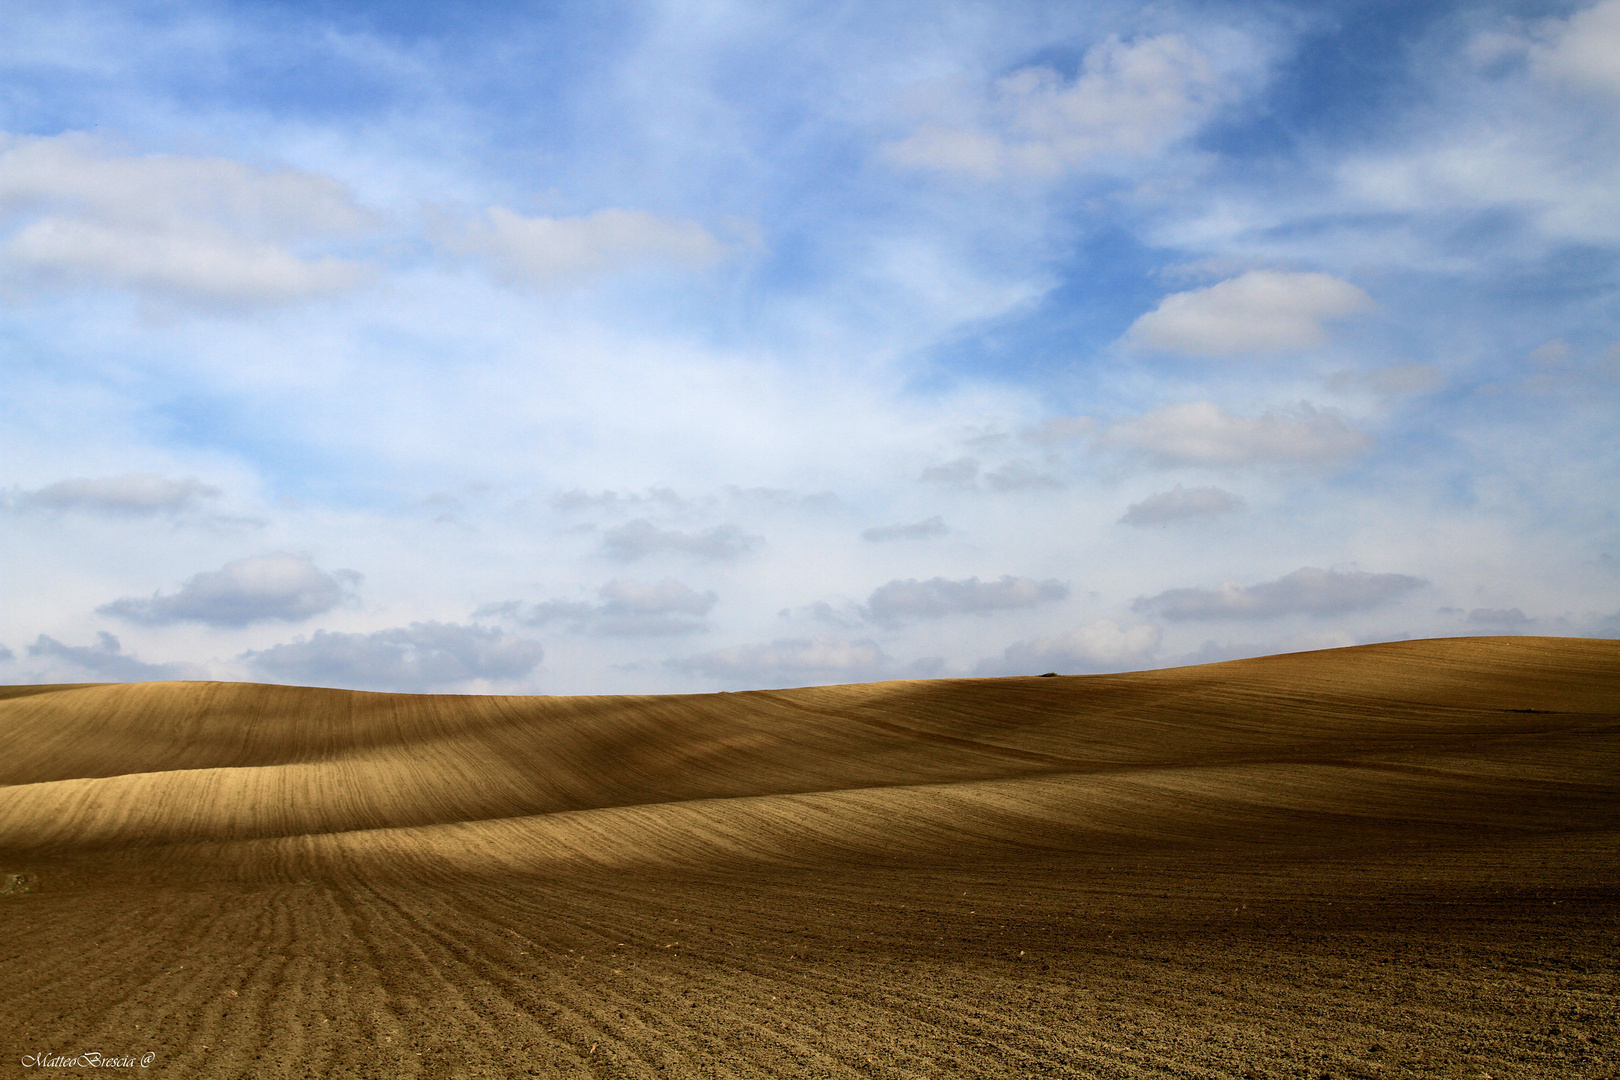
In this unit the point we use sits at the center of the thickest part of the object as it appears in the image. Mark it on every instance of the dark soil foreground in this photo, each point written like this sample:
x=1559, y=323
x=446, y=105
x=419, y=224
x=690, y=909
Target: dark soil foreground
x=1243, y=870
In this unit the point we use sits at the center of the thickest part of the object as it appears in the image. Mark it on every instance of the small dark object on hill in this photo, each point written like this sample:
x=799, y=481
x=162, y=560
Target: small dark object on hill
x=1049, y=675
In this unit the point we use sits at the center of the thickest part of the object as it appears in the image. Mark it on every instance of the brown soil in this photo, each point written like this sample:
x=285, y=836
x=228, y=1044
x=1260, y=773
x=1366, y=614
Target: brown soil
x=1394, y=860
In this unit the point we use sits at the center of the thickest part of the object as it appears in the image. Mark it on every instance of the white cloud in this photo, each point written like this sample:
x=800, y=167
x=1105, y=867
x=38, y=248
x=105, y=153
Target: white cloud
x=639, y=538
x=1307, y=591
x=1181, y=504
x=550, y=252
x=422, y=656
x=921, y=530
x=937, y=597
x=205, y=231
x=1262, y=311
x=1101, y=646
x=130, y=494
x=1129, y=100
x=260, y=588
x=1583, y=49
x=1203, y=433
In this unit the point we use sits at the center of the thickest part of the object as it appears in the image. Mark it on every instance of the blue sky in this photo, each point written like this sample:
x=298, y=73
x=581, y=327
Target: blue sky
x=690, y=346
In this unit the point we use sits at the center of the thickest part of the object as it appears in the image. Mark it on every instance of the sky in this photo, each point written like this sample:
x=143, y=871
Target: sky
x=676, y=347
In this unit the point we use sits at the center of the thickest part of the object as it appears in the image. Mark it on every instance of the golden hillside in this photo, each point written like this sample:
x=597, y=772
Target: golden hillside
x=834, y=869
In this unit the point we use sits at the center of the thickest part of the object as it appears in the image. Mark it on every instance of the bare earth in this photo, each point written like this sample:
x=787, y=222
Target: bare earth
x=1392, y=860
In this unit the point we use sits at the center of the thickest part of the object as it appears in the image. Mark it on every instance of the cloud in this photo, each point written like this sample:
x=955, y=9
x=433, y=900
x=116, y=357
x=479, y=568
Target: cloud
x=1101, y=646
x=1262, y=311
x=204, y=231
x=1181, y=504
x=1307, y=591
x=1013, y=476
x=921, y=530
x=1203, y=433
x=639, y=538
x=792, y=661
x=628, y=609
x=418, y=657
x=961, y=471
x=938, y=597
x=552, y=252
x=105, y=660
x=260, y=588
x=1387, y=382
x=580, y=499
x=1583, y=49
x=1129, y=100
x=1510, y=617
x=1017, y=476
x=134, y=494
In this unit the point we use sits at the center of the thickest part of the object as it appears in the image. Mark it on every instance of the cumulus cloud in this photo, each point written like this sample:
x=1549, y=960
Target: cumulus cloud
x=261, y=588
x=1307, y=591
x=1102, y=646
x=921, y=530
x=421, y=656
x=205, y=231
x=105, y=660
x=912, y=599
x=550, y=252
x=1262, y=311
x=1129, y=100
x=1203, y=433
x=1182, y=504
x=637, y=539
x=799, y=662
x=135, y=494
x=628, y=608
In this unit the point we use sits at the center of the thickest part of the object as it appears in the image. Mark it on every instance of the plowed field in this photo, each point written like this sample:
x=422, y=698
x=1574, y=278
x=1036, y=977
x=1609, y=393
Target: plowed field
x=1392, y=860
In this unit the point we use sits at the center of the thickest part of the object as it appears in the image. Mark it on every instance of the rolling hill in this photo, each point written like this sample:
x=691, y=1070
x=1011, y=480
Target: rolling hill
x=1396, y=859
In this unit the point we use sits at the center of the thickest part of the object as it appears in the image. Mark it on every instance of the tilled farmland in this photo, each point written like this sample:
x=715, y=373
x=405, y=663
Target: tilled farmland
x=1392, y=860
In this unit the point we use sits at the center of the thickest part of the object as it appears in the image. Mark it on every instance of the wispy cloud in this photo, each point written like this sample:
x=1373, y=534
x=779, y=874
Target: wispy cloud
x=920, y=530
x=1130, y=99
x=937, y=597
x=1306, y=591
x=627, y=608
x=639, y=538
x=1100, y=646
x=1181, y=504
x=421, y=656
x=205, y=231
x=137, y=494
